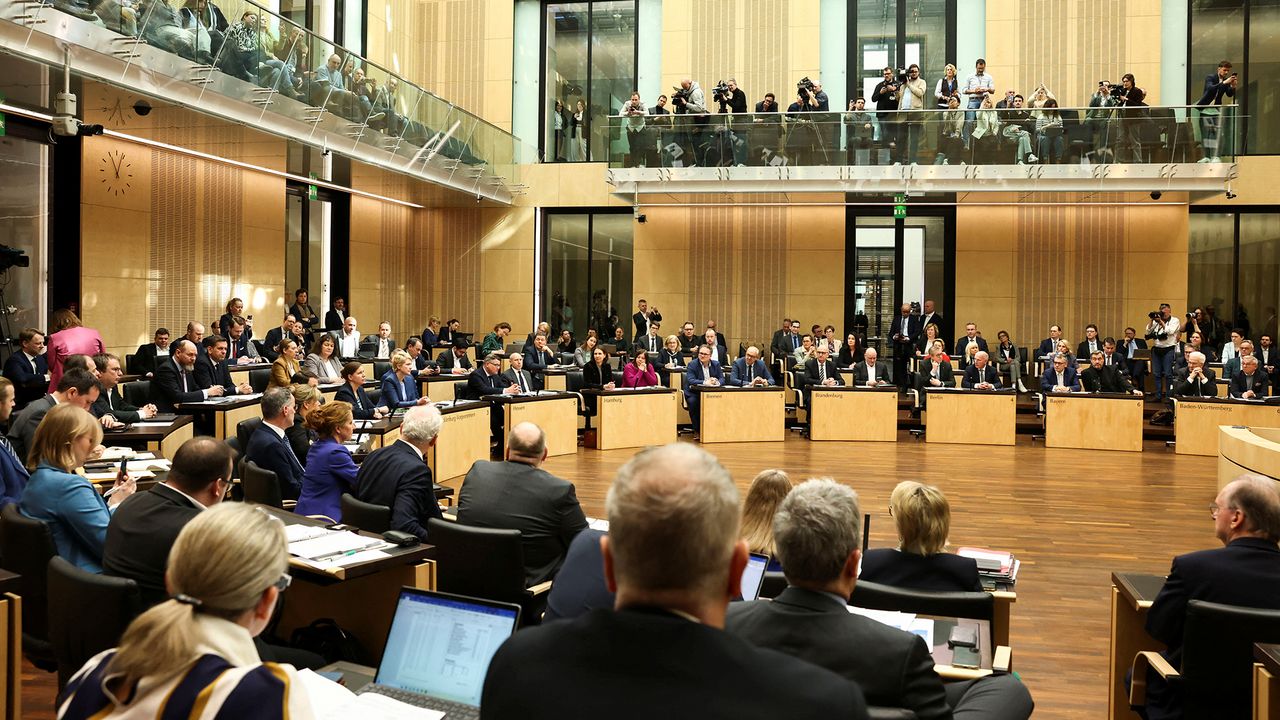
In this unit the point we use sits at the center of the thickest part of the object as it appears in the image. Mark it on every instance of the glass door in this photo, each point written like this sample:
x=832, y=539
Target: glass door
x=24, y=225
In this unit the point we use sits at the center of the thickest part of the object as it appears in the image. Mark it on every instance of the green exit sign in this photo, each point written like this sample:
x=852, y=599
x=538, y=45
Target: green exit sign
x=899, y=212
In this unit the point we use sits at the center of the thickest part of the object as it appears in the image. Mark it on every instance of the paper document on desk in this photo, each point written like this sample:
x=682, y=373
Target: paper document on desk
x=298, y=532
x=115, y=453
x=598, y=524
x=151, y=424
x=332, y=544
x=331, y=701
x=378, y=552
x=901, y=620
x=111, y=475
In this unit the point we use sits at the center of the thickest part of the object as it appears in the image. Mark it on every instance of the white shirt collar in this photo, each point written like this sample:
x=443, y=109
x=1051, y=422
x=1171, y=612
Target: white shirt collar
x=194, y=501
x=279, y=431
x=411, y=445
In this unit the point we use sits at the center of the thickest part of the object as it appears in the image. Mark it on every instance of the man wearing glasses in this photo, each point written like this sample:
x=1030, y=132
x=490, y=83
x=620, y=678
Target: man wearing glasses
x=1246, y=572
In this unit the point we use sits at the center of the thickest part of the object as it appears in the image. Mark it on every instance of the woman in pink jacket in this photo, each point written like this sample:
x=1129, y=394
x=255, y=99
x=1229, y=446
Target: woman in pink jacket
x=70, y=337
x=638, y=372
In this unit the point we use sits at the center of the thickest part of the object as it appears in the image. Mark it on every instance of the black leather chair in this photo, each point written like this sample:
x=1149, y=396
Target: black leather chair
x=130, y=364
x=486, y=563
x=260, y=486
x=774, y=583
x=245, y=430
x=259, y=379
x=375, y=394
x=971, y=605
x=1216, y=677
x=380, y=368
x=75, y=595
x=136, y=393
x=366, y=516
x=26, y=547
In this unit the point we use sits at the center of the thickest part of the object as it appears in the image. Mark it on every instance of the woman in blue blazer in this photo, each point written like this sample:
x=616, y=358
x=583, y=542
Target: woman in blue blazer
x=399, y=386
x=330, y=470
x=76, y=514
x=352, y=392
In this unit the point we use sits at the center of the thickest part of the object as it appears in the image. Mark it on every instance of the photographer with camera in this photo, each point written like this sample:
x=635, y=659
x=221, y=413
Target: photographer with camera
x=689, y=99
x=1220, y=84
x=1098, y=118
x=1162, y=330
x=910, y=119
x=732, y=100
x=639, y=143
x=885, y=96
x=804, y=137
x=1130, y=99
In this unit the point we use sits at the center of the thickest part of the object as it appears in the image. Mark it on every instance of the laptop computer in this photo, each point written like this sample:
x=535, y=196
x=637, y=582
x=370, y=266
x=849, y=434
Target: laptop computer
x=753, y=575
x=438, y=650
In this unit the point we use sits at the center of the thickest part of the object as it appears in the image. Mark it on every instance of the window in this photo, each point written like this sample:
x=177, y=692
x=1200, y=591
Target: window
x=588, y=273
x=1234, y=265
x=898, y=33
x=590, y=64
x=1246, y=33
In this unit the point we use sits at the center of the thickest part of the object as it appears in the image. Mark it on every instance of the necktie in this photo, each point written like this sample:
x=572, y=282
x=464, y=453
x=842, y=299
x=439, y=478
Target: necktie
x=520, y=379
x=289, y=446
x=749, y=373
x=822, y=372
x=233, y=349
x=184, y=381
x=653, y=343
x=4, y=441
x=795, y=343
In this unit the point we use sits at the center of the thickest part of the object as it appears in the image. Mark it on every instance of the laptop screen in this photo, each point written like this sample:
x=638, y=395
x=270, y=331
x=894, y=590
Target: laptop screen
x=753, y=575
x=440, y=645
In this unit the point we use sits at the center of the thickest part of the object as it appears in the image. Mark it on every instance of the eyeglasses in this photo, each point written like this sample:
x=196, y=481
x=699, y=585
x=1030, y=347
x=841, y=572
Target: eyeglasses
x=283, y=583
x=890, y=511
x=1214, y=510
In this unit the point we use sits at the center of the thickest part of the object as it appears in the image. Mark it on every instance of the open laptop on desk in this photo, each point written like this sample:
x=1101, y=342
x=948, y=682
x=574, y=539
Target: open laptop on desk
x=438, y=650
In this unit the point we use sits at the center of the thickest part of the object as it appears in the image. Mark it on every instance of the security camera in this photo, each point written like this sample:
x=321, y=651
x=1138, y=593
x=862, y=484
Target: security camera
x=64, y=120
x=641, y=218
x=1231, y=195
x=141, y=108
x=1156, y=194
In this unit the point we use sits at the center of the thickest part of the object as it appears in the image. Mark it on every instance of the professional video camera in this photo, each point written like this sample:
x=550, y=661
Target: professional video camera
x=1117, y=90
x=12, y=257
x=680, y=95
x=721, y=92
x=804, y=88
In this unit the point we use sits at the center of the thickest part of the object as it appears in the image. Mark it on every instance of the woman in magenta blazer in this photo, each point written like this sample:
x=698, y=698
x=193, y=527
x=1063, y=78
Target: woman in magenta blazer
x=638, y=372
x=70, y=337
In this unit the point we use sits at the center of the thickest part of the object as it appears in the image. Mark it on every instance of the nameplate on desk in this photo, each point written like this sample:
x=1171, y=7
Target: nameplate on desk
x=454, y=417
x=1216, y=407
x=829, y=394
x=612, y=400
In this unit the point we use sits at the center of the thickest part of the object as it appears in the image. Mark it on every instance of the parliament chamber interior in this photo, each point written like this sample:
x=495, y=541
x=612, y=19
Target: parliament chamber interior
x=716, y=358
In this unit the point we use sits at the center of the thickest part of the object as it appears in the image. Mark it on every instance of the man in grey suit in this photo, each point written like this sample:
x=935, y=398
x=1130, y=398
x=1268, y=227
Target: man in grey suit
x=517, y=494
x=517, y=375
x=817, y=531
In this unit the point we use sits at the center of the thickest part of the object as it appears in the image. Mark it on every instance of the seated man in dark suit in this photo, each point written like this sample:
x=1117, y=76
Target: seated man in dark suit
x=517, y=375
x=820, y=371
x=110, y=402
x=175, y=381
x=934, y=372
x=422, y=362
x=380, y=345
x=749, y=370
x=1111, y=355
x=1268, y=359
x=675, y=501
x=240, y=347
x=76, y=386
x=703, y=371
x=149, y=356
x=487, y=380
x=276, y=334
x=1250, y=383
x=1061, y=377
x=517, y=494
x=781, y=344
x=1091, y=342
x=970, y=337
x=538, y=358
x=1049, y=346
x=1100, y=377
x=211, y=368
x=651, y=342
x=980, y=375
x=817, y=532
x=269, y=447
x=688, y=341
x=1128, y=348
x=145, y=525
x=397, y=475
x=580, y=586
x=1196, y=380
x=28, y=369
x=1246, y=519
x=455, y=358
x=870, y=372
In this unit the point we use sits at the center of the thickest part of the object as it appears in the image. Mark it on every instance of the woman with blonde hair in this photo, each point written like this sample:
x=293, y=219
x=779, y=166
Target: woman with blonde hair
x=923, y=519
x=77, y=515
x=193, y=656
x=285, y=366
x=307, y=399
x=399, y=386
x=670, y=354
x=766, y=493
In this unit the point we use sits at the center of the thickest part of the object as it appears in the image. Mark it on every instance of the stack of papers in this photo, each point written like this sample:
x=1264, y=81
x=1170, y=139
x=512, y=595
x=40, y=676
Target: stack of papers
x=116, y=453
x=325, y=548
x=993, y=564
x=598, y=524
x=331, y=701
x=901, y=620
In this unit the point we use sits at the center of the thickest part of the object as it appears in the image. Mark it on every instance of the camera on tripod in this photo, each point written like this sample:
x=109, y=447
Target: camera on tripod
x=680, y=95
x=12, y=257
x=721, y=92
x=804, y=88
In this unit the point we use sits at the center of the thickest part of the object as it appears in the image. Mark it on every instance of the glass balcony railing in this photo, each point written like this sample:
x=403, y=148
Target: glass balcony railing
x=241, y=50
x=1170, y=134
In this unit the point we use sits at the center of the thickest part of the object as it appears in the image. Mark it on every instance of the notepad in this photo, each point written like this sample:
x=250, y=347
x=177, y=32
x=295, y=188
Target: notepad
x=332, y=544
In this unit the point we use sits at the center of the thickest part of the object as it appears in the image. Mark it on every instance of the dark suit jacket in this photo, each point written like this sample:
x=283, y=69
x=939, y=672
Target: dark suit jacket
x=369, y=347
x=140, y=534
x=1258, y=384
x=269, y=343
x=738, y=373
x=1070, y=378
x=594, y=376
x=112, y=404
x=782, y=345
x=13, y=478
x=580, y=585
x=941, y=572
x=1083, y=352
x=642, y=323
x=479, y=384
x=509, y=376
x=333, y=321
x=666, y=357
x=535, y=362
x=1109, y=379
x=396, y=477
x=893, y=667
x=516, y=496
x=1246, y=572
x=448, y=361
x=208, y=373
x=908, y=326
x=167, y=390
x=1183, y=386
x=144, y=361
x=28, y=379
x=272, y=452
x=811, y=372
x=670, y=663
x=1118, y=360
x=945, y=374
x=22, y=427
x=694, y=375
x=1048, y=346
x=862, y=372
x=961, y=343
x=361, y=406
x=973, y=376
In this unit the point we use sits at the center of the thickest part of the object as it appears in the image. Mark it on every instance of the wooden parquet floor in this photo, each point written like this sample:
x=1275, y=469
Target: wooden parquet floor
x=1071, y=516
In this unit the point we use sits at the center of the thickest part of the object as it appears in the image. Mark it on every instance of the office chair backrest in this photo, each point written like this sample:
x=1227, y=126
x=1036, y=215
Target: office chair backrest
x=245, y=430
x=975, y=605
x=259, y=379
x=131, y=364
x=375, y=394
x=573, y=380
x=618, y=377
x=88, y=613
x=136, y=393
x=774, y=583
x=482, y=562
x=1217, y=657
x=26, y=546
x=380, y=368
x=260, y=486
x=366, y=516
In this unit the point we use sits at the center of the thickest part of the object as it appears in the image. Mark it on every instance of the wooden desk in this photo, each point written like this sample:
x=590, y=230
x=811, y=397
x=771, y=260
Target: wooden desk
x=556, y=414
x=361, y=598
x=1092, y=421
x=463, y=439
x=379, y=433
x=674, y=379
x=742, y=414
x=1244, y=449
x=1196, y=421
x=441, y=388
x=976, y=417
x=1131, y=597
x=849, y=413
x=10, y=646
x=557, y=379
x=634, y=418
x=1266, y=682
x=163, y=441
x=227, y=415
